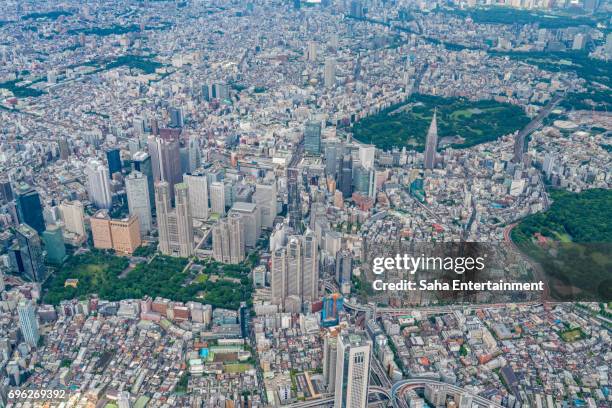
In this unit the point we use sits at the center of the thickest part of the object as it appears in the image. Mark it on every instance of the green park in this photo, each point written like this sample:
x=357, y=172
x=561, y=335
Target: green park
x=469, y=122
x=574, y=247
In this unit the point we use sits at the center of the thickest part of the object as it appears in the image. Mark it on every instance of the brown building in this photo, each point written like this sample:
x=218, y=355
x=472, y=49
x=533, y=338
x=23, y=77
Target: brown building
x=100, y=229
x=121, y=235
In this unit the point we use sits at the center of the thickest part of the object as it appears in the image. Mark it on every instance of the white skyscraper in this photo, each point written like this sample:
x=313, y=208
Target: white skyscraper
x=217, y=197
x=137, y=187
x=366, y=156
x=330, y=355
x=28, y=322
x=98, y=185
x=251, y=221
x=229, y=239
x=73, y=216
x=352, y=370
x=198, y=195
x=265, y=198
x=312, y=51
x=174, y=224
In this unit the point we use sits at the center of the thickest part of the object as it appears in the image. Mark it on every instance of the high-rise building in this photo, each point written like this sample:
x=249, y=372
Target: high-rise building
x=113, y=157
x=64, y=148
x=346, y=176
x=73, y=216
x=6, y=191
x=54, y=245
x=312, y=138
x=175, y=224
x=29, y=208
x=366, y=155
x=295, y=271
x=122, y=235
x=141, y=161
x=294, y=205
x=166, y=159
x=330, y=355
x=229, y=239
x=251, y=221
x=31, y=253
x=137, y=188
x=98, y=185
x=198, y=195
x=356, y=9
x=344, y=268
x=265, y=199
x=217, y=198
x=28, y=322
x=329, y=72
x=352, y=370
x=176, y=117
x=431, y=143
x=312, y=51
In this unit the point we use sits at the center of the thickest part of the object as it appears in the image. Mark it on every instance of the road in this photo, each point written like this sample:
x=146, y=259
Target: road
x=519, y=144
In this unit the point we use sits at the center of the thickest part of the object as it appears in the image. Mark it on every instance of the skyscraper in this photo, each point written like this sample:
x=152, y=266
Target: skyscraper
x=217, y=198
x=29, y=208
x=137, y=188
x=198, y=194
x=295, y=271
x=352, y=370
x=312, y=51
x=431, y=144
x=141, y=161
x=312, y=138
x=228, y=239
x=28, y=322
x=330, y=355
x=329, y=72
x=73, y=216
x=175, y=224
x=344, y=267
x=176, y=117
x=54, y=244
x=31, y=253
x=98, y=185
x=251, y=221
x=346, y=176
x=166, y=159
x=113, y=157
x=265, y=198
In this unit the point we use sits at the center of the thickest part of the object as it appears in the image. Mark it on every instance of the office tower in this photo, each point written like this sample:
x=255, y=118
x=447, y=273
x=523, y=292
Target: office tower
x=332, y=150
x=312, y=138
x=579, y=42
x=312, y=51
x=344, y=268
x=166, y=160
x=174, y=224
x=265, y=199
x=251, y=221
x=137, y=188
x=28, y=322
x=98, y=185
x=29, y=208
x=221, y=91
x=466, y=400
x=295, y=271
x=352, y=370
x=176, y=117
x=366, y=155
x=113, y=157
x=294, y=205
x=123, y=400
x=346, y=176
x=229, y=239
x=141, y=161
x=6, y=191
x=431, y=144
x=198, y=195
x=217, y=198
x=122, y=235
x=329, y=72
x=356, y=10
x=183, y=220
x=54, y=244
x=330, y=355
x=64, y=148
x=73, y=216
x=191, y=156
x=31, y=253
